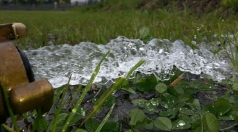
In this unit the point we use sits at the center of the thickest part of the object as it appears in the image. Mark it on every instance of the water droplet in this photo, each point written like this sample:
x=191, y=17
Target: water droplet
x=166, y=106
x=181, y=123
x=74, y=110
x=195, y=36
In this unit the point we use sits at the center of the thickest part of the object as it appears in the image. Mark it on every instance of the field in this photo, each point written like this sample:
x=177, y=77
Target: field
x=72, y=27
x=194, y=104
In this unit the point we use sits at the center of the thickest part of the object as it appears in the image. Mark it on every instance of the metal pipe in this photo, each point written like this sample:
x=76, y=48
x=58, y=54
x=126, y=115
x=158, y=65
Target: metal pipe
x=12, y=31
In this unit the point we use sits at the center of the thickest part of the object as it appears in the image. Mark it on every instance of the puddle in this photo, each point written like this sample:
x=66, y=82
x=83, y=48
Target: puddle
x=57, y=62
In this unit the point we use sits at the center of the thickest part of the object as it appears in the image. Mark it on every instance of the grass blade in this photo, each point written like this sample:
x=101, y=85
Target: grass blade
x=138, y=64
x=74, y=110
x=59, y=109
x=75, y=95
x=105, y=119
x=4, y=89
x=103, y=97
x=7, y=128
x=177, y=80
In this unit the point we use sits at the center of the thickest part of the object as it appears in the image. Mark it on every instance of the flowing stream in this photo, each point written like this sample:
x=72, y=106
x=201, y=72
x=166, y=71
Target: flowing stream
x=57, y=62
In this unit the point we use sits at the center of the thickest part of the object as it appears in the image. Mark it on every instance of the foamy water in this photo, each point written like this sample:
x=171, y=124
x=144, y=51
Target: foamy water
x=56, y=63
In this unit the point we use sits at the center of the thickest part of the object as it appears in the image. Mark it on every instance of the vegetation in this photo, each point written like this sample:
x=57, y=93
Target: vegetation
x=200, y=105
x=100, y=26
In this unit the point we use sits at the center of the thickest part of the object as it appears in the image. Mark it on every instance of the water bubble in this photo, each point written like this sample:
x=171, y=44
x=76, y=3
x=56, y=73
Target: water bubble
x=181, y=123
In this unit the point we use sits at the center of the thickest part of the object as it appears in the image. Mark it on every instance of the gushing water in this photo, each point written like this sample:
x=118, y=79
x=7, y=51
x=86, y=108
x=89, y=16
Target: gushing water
x=56, y=63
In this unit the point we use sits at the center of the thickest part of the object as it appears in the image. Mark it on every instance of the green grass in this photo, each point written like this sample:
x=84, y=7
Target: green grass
x=73, y=27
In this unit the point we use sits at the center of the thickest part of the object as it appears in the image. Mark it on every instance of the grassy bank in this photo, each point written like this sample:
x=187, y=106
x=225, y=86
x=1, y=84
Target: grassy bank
x=72, y=27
